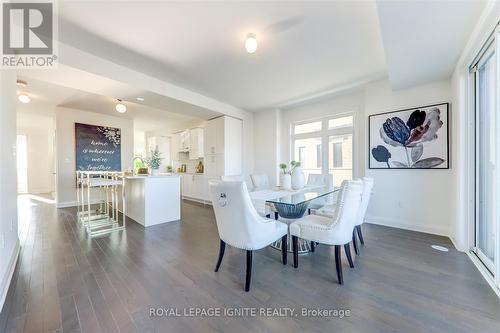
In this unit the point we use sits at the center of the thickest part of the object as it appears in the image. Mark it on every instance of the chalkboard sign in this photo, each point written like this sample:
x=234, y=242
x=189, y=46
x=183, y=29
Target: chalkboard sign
x=98, y=148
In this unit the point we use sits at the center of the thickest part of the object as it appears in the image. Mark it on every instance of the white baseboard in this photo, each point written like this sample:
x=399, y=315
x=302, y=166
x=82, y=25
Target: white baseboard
x=458, y=248
x=66, y=204
x=4, y=286
x=414, y=226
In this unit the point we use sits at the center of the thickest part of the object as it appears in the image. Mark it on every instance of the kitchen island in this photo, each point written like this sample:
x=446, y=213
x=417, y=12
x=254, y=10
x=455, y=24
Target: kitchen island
x=152, y=200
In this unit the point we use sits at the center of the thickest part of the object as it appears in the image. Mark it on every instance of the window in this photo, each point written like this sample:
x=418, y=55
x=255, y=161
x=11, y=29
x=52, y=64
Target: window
x=340, y=122
x=318, y=156
x=307, y=154
x=340, y=159
x=307, y=128
x=333, y=133
x=337, y=154
x=302, y=154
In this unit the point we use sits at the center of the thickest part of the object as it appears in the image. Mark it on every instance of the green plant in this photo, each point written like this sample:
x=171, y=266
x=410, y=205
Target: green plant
x=293, y=165
x=154, y=160
x=283, y=167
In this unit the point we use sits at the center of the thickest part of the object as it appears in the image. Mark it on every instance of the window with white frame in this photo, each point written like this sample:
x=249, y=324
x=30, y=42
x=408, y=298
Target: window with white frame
x=325, y=146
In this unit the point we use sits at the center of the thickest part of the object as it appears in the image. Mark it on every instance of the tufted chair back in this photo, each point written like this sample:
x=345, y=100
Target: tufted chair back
x=235, y=178
x=238, y=222
x=260, y=181
x=314, y=179
x=365, y=199
x=347, y=208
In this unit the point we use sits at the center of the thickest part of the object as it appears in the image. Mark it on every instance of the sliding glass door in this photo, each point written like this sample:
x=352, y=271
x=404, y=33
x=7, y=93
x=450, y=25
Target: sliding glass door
x=486, y=156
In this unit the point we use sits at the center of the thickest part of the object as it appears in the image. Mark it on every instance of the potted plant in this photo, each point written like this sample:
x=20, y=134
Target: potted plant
x=154, y=161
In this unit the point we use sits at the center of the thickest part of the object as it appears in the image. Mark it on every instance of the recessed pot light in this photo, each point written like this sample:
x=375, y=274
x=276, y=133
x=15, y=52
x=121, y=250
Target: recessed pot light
x=21, y=83
x=140, y=99
x=23, y=98
x=251, y=43
x=120, y=107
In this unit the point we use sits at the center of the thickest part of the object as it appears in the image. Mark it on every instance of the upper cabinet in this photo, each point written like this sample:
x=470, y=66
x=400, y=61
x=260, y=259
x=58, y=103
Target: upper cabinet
x=185, y=141
x=175, y=146
x=196, y=143
x=223, y=138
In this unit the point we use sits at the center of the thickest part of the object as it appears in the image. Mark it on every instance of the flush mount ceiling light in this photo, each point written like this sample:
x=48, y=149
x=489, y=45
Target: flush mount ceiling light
x=120, y=107
x=140, y=99
x=23, y=98
x=21, y=83
x=251, y=43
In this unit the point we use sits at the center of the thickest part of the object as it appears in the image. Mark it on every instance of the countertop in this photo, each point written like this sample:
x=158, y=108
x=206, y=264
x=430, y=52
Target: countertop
x=170, y=175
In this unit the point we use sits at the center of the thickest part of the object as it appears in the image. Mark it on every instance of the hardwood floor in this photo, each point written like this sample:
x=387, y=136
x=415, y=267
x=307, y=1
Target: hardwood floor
x=66, y=282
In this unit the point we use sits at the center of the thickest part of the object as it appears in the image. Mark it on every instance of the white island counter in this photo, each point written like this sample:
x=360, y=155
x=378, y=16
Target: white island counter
x=152, y=200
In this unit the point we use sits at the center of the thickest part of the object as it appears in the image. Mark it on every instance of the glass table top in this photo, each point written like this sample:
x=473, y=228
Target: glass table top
x=278, y=196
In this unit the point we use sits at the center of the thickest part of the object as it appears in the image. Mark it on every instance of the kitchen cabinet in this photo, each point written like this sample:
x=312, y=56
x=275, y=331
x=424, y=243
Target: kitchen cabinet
x=175, y=146
x=223, y=143
x=185, y=143
x=193, y=187
x=196, y=150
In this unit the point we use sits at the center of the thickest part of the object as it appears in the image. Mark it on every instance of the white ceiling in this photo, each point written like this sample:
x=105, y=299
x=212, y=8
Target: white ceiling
x=46, y=96
x=304, y=47
x=424, y=39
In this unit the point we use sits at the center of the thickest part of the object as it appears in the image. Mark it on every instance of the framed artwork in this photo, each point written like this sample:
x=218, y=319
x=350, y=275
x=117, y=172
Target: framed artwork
x=98, y=148
x=415, y=138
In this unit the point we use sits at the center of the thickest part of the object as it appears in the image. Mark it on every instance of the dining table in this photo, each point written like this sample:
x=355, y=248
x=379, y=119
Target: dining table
x=292, y=205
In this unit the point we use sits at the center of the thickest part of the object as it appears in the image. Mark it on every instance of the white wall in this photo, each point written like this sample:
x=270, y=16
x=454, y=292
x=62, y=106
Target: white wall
x=9, y=242
x=266, y=140
x=65, y=147
x=414, y=199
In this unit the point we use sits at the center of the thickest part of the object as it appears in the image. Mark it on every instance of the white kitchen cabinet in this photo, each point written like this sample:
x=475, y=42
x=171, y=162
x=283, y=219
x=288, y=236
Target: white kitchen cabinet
x=209, y=137
x=193, y=187
x=223, y=148
x=185, y=143
x=175, y=146
x=196, y=150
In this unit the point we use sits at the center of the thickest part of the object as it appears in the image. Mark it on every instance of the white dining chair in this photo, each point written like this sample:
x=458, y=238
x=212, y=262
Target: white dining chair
x=240, y=225
x=234, y=178
x=260, y=181
x=365, y=200
x=318, y=180
x=263, y=210
x=336, y=230
x=328, y=210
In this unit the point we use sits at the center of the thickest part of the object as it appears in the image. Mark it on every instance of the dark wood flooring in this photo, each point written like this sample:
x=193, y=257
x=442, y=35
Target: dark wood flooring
x=66, y=282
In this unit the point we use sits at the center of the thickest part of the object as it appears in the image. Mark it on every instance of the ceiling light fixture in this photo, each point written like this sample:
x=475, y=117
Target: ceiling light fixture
x=21, y=83
x=120, y=107
x=23, y=98
x=251, y=43
x=140, y=99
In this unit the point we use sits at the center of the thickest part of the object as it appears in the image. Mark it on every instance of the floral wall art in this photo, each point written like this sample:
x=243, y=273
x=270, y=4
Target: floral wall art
x=415, y=138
